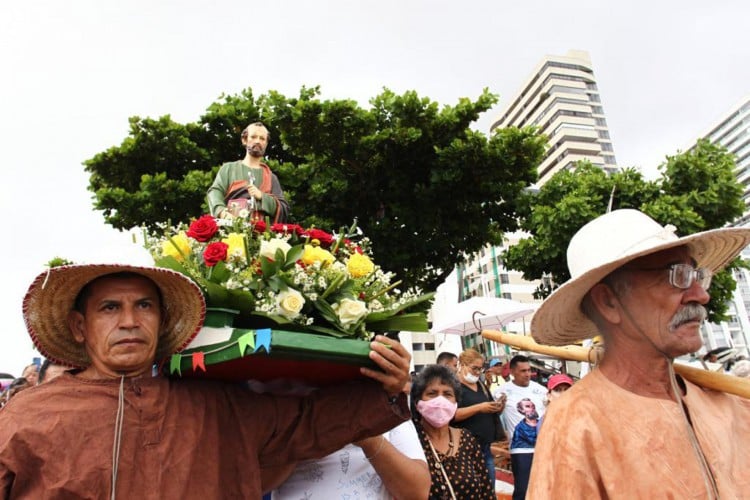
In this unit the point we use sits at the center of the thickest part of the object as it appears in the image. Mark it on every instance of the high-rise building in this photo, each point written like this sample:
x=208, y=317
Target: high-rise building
x=733, y=132
x=561, y=98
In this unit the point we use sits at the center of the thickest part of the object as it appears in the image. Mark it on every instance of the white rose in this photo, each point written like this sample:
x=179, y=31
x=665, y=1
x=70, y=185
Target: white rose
x=289, y=303
x=350, y=311
x=268, y=248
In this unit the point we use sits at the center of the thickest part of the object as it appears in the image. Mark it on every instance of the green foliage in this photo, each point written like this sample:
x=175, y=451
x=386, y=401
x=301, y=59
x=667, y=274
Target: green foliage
x=697, y=191
x=59, y=261
x=424, y=187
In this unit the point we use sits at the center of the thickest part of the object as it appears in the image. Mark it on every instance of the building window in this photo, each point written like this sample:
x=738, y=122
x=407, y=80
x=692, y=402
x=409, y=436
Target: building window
x=429, y=346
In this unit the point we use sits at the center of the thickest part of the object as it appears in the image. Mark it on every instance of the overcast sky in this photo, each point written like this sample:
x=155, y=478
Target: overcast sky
x=74, y=71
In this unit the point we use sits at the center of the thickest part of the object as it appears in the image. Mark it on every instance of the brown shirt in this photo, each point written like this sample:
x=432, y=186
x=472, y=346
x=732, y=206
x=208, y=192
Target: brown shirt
x=180, y=438
x=601, y=441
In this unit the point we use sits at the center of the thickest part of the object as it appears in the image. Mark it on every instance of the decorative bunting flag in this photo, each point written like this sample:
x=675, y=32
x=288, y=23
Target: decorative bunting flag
x=245, y=341
x=263, y=338
x=174, y=364
x=199, y=361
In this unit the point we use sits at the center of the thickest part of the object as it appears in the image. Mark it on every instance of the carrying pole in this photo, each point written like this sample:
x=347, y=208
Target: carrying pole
x=710, y=380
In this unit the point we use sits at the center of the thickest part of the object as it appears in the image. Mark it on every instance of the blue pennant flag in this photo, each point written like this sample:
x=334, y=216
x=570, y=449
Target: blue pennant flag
x=263, y=339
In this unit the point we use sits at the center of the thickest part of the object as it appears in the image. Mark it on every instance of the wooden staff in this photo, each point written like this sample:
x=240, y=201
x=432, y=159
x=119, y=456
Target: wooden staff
x=704, y=378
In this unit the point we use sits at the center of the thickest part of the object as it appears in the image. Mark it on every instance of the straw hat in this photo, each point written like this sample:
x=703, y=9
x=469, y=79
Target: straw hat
x=607, y=243
x=51, y=297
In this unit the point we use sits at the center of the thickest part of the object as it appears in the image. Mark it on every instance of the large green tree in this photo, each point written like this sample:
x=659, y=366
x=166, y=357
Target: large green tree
x=422, y=185
x=696, y=191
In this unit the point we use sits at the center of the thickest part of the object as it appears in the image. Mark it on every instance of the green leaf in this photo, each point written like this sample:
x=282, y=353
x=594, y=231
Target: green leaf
x=171, y=263
x=293, y=255
x=268, y=268
x=220, y=273
x=411, y=322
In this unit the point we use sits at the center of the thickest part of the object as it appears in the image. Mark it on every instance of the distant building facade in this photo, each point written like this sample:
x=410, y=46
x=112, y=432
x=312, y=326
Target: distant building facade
x=562, y=99
x=733, y=132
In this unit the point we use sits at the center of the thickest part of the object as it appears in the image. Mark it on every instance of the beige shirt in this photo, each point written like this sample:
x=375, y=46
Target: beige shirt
x=601, y=441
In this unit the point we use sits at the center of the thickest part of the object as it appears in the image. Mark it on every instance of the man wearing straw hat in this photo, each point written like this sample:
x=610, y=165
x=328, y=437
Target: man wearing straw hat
x=631, y=428
x=109, y=427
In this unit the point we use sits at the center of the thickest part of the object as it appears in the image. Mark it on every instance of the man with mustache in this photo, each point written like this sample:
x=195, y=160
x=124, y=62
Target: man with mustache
x=632, y=428
x=249, y=184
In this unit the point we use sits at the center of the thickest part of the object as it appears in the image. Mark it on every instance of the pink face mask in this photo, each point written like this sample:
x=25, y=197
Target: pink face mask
x=437, y=411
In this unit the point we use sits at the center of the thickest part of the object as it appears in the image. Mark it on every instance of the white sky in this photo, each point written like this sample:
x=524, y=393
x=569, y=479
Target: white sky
x=73, y=72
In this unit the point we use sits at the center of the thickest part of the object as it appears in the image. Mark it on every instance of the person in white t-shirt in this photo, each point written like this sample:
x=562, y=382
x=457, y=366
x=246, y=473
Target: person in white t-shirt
x=520, y=387
x=389, y=466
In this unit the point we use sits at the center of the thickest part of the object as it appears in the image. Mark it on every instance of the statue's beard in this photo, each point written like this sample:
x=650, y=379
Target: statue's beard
x=256, y=150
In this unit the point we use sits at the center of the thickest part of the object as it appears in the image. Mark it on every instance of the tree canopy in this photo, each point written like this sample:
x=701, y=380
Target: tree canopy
x=696, y=191
x=423, y=186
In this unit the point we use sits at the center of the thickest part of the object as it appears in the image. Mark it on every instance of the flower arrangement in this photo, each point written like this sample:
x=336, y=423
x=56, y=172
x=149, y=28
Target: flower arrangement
x=305, y=280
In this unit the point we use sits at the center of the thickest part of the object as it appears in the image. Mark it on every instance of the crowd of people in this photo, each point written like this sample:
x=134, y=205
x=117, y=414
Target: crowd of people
x=110, y=425
x=34, y=374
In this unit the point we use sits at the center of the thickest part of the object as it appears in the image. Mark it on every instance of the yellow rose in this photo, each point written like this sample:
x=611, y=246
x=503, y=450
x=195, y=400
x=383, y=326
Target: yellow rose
x=359, y=265
x=315, y=254
x=289, y=303
x=236, y=245
x=170, y=247
x=350, y=311
x=268, y=248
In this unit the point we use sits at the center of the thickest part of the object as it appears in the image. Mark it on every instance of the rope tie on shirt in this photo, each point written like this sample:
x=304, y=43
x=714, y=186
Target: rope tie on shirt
x=118, y=435
x=709, y=480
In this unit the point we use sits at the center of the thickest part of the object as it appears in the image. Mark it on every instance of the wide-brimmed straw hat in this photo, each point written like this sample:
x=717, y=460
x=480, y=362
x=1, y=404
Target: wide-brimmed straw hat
x=607, y=243
x=51, y=298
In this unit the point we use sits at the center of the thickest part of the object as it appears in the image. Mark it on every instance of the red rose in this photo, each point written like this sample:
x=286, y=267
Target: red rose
x=203, y=229
x=215, y=252
x=259, y=226
x=324, y=238
x=283, y=228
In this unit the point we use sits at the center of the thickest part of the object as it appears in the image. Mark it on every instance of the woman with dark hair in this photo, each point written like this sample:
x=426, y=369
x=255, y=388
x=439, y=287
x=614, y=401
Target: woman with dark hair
x=457, y=466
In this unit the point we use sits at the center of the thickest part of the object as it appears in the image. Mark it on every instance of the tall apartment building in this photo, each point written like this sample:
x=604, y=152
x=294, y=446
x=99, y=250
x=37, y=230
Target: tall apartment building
x=561, y=98
x=733, y=132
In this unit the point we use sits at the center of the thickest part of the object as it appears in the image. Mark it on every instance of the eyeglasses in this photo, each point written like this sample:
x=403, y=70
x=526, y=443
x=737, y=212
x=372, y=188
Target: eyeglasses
x=476, y=369
x=683, y=275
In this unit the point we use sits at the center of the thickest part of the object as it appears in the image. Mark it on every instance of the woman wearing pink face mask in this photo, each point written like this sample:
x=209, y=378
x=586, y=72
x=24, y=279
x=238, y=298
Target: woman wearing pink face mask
x=457, y=466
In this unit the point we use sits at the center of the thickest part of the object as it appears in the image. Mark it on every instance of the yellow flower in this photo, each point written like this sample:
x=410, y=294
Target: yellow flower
x=359, y=265
x=236, y=245
x=170, y=246
x=315, y=254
